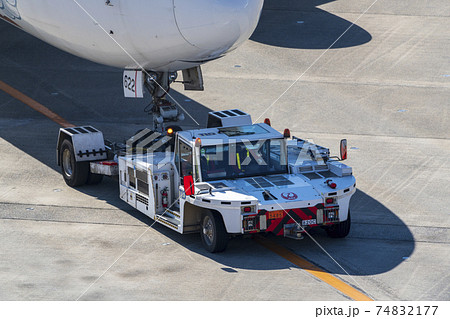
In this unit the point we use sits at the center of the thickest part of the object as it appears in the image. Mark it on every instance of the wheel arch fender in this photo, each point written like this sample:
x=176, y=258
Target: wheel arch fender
x=61, y=137
x=87, y=142
x=344, y=206
x=192, y=214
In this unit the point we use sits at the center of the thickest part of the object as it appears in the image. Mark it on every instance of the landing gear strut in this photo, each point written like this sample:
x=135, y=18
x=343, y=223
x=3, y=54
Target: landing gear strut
x=158, y=85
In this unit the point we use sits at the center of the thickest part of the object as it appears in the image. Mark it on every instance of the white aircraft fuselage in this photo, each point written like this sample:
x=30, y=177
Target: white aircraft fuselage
x=158, y=35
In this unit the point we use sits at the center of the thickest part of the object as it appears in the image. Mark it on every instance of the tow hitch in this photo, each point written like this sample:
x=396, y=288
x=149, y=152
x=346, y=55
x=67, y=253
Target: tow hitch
x=293, y=231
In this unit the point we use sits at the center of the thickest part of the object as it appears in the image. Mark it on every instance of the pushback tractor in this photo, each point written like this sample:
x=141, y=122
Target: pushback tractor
x=231, y=178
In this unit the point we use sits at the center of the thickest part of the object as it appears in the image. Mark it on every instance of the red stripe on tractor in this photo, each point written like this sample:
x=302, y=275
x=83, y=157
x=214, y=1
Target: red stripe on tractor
x=108, y=163
x=289, y=217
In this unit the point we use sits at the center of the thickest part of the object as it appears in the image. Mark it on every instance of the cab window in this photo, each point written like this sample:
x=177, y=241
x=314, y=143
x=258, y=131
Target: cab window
x=185, y=157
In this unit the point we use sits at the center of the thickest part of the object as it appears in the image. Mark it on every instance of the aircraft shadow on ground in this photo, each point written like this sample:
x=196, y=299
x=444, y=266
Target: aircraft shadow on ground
x=242, y=253
x=301, y=25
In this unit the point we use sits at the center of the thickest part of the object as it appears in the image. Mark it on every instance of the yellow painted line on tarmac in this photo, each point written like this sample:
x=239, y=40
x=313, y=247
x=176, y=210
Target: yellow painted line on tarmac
x=313, y=269
x=34, y=105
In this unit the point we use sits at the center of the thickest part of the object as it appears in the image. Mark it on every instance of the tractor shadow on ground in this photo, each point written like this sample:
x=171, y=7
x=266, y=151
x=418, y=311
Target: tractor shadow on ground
x=372, y=247
x=369, y=249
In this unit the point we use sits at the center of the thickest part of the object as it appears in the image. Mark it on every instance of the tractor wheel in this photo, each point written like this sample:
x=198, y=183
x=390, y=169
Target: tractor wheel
x=213, y=232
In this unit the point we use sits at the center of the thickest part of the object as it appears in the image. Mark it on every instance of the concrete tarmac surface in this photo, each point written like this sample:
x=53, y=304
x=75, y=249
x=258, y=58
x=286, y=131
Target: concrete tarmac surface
x=384, y=85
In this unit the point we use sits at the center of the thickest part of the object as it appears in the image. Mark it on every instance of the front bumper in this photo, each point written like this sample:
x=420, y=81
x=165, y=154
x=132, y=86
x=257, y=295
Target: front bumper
x=290, y=222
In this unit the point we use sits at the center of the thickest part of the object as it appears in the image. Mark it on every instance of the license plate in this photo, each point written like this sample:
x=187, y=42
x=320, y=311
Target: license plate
x=275, y=215
x=309, y=222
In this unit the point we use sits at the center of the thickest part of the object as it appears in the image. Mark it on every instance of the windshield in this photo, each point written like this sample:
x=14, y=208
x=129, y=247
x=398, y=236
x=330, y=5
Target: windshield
x=245, y=159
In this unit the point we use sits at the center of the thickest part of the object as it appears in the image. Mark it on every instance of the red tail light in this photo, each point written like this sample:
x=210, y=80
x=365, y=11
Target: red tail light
x=331, y=184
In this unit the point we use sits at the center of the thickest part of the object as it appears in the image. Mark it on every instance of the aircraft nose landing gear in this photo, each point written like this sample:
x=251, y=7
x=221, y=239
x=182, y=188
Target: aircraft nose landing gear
x=163, y=110
x=158, y=85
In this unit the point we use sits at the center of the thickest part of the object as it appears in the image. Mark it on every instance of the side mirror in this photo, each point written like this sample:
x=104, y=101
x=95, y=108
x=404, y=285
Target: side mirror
x=343, y=149
x=188, y=183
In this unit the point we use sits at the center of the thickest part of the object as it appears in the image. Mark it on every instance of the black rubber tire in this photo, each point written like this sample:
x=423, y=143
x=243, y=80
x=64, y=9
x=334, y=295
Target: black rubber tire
x=94, y=179
x=74, y=173
x=213, y=232
x=340, y=230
